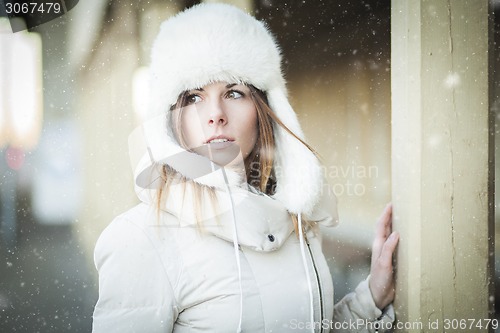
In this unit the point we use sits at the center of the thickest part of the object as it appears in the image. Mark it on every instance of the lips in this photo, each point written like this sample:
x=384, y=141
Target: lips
x=219, y=139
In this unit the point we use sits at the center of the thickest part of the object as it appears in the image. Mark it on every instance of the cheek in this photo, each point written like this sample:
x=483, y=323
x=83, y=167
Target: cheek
x=255, y=132
x=191, y=129
x=251, y=131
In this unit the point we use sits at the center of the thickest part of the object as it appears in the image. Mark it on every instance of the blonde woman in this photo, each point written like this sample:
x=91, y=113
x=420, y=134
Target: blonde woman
x=227, y=237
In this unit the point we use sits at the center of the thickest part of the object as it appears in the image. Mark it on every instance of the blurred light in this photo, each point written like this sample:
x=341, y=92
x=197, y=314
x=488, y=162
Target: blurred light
x=15, y=158
x=20, y=87
x=452, y=80
x=140, y=91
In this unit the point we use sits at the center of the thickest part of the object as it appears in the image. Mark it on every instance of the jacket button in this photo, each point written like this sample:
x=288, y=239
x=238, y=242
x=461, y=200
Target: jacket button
x=271, y=237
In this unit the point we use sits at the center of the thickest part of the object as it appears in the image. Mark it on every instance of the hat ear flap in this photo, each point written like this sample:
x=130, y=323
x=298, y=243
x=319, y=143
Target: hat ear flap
x=297, y=169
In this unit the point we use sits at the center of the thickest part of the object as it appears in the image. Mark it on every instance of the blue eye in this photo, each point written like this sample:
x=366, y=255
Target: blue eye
x=234, y=94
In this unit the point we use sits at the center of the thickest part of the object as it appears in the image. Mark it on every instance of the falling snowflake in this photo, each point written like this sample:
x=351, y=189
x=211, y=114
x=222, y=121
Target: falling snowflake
x=452, y=80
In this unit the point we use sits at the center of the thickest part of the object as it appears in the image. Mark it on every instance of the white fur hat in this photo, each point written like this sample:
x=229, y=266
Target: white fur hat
x=216, y=42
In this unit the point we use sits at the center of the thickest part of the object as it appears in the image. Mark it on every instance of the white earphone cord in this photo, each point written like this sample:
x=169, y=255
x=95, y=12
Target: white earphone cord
x=235, y=246
x=304, y=261
x=238, y=263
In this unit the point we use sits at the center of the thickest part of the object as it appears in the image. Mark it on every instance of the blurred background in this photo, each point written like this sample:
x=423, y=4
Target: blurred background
x=78, y=83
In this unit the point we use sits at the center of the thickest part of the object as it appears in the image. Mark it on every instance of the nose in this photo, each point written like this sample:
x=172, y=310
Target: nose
x=217, y=115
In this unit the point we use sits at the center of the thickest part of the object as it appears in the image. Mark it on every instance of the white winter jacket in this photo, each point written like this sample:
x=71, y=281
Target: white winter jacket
x=242, y=268
x=160, y=272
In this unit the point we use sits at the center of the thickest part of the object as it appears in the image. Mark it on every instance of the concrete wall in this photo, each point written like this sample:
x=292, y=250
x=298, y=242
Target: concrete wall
x=443, y=163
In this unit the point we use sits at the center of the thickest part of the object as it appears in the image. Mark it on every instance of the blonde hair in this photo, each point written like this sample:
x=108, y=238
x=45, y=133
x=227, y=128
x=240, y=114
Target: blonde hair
x=262, y=178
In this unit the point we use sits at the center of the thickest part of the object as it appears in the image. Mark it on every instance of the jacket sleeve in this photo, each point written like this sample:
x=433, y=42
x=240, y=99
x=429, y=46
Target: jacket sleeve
x=357, y=312
x=134, y=291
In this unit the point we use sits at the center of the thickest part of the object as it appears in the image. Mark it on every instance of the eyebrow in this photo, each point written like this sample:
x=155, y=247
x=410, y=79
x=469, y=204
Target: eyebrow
x=230, y=85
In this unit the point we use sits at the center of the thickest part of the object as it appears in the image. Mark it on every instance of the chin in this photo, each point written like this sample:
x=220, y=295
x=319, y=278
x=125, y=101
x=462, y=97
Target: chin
x=230, y=155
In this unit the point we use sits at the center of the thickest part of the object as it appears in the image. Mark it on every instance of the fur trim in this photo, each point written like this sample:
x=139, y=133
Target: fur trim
x=216, y=42
x=297, y=168
x=209, y=43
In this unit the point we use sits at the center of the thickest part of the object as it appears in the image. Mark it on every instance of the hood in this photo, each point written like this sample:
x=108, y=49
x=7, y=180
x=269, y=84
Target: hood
x=216, y=42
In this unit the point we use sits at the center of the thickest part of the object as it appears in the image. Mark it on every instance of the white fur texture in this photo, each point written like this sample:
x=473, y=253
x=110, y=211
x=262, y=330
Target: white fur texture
x=215, y=42
x=210, y=43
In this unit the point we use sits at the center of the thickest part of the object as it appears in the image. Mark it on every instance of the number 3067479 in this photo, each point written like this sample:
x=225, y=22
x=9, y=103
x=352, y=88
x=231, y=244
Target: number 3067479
x=32, y=7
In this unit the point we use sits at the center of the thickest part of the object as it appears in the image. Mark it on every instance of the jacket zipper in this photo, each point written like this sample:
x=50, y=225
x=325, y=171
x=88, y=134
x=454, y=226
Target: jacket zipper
x=320, y=292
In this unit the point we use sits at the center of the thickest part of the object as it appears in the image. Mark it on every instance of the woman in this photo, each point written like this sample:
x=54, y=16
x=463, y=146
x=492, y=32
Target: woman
x=227, y=237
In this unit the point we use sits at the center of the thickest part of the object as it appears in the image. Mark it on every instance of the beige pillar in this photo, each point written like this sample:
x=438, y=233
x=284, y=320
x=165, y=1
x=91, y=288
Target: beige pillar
x=442, y=163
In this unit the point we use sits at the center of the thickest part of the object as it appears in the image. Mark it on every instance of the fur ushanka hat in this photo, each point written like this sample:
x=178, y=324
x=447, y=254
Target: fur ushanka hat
x=216, y=42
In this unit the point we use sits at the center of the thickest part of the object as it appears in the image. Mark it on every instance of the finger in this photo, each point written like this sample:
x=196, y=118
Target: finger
x=376, y=250
x=382, y=231
x=388, y=249
x=384, y=224
x=388, y=220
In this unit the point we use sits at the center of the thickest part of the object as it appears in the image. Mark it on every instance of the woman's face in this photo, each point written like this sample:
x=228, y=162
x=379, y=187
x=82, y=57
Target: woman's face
x=219, y=121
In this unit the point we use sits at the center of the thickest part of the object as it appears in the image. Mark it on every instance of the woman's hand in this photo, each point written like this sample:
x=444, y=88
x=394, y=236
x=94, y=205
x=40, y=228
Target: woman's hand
x=381, y=281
